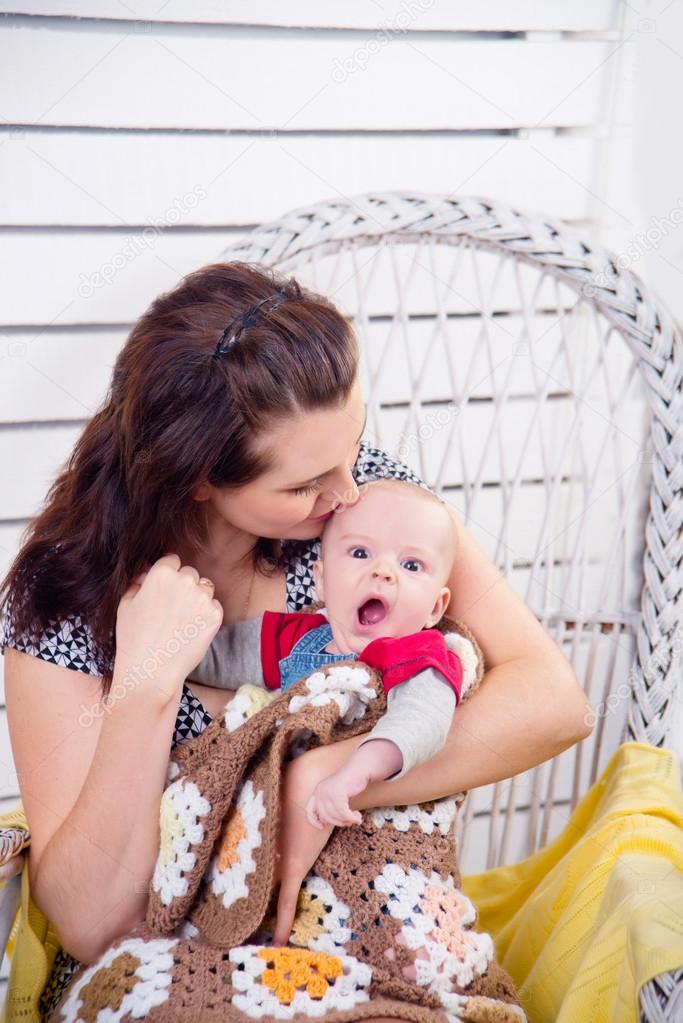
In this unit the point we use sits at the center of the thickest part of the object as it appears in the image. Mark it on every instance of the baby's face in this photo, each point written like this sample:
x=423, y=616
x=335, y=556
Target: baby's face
x=385, y=562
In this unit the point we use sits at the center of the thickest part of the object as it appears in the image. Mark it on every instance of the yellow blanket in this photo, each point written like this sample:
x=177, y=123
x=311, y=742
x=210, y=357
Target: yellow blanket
x=580, y=926
x=583, y=923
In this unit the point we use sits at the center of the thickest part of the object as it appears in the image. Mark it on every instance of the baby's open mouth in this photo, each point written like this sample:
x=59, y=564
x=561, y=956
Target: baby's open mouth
x=372, y=611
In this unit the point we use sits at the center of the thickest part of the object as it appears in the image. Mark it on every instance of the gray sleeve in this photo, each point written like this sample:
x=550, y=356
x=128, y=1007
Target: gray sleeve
x=418, y=718
x=234, y=657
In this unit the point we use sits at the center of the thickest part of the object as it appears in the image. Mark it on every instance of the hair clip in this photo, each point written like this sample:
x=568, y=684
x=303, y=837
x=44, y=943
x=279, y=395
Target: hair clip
x=247, y=318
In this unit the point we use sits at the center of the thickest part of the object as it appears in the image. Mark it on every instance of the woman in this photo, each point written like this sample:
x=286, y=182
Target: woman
x=232, y=429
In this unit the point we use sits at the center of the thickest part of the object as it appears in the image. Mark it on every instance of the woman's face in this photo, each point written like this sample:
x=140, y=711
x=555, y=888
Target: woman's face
x=312, y=455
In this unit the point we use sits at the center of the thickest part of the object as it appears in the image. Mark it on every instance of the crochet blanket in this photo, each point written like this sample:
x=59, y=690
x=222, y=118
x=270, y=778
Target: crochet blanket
x=383, y=895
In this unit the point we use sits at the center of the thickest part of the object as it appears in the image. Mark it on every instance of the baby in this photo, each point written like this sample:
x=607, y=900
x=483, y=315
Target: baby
x=382, y=575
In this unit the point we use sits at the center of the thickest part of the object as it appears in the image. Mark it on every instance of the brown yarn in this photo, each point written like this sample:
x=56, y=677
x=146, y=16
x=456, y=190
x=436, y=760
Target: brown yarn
x=383, y=897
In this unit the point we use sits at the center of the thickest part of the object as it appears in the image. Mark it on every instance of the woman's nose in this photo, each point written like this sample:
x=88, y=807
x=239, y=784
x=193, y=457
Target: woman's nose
x=343, y=489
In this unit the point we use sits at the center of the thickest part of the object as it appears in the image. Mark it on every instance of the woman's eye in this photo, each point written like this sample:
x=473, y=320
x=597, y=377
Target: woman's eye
x=412, y=564
x=300, y=491
x=358, y=552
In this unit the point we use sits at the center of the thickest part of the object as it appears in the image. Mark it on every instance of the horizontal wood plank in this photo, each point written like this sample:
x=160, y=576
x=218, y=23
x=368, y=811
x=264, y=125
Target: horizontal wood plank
x=516, y=441
x=54, y=374
x=108, y=74
x=25, y=483
x=109, y=277
x=100, y=178
x=427, y=15
x=99, y=276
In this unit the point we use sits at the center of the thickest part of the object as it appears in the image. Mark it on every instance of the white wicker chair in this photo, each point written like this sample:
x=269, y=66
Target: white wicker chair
x=539, y=387
x=491, y=343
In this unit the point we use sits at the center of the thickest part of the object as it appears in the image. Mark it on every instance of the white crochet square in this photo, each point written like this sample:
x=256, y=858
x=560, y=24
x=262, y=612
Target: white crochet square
x=345, y=684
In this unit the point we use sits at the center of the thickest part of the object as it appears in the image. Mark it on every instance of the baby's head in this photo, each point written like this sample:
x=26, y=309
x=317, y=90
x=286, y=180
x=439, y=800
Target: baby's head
x=385, y=562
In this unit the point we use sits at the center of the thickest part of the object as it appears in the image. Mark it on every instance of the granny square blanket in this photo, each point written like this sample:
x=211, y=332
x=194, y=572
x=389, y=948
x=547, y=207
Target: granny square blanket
x=383, y=928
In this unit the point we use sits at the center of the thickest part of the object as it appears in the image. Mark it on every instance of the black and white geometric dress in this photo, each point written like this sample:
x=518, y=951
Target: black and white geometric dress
x=69, y=644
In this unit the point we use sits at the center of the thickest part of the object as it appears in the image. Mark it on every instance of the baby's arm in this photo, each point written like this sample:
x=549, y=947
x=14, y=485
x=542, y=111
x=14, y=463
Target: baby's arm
x=418, y=718
x=234, y=657
x=414, y=728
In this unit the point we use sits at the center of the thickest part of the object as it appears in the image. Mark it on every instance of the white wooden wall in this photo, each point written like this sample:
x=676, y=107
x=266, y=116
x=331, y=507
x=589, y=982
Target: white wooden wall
x=138, y=139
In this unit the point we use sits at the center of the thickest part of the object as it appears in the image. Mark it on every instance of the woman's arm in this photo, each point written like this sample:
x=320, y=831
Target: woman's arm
x=502, y=730
x=91, y=787
x=520, y=659
x=92, y=772
x=529, y=706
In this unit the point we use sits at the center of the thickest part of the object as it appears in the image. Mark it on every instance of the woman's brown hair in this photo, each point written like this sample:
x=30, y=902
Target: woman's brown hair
x=173, y=417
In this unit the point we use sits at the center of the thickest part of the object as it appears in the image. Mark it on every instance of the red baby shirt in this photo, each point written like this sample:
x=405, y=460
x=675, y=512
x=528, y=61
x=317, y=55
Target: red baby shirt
x=396, y=659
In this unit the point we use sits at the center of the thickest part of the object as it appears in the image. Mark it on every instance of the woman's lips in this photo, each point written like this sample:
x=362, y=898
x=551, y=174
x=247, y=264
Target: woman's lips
x=322, y=518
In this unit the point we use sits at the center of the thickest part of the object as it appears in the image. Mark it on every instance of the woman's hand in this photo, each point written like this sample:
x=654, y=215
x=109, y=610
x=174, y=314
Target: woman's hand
x=300, y=842
x=165, y=623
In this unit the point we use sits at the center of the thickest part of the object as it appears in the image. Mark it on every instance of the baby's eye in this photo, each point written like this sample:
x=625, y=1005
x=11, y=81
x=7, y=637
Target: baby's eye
x=412, y=564
x=358, y=552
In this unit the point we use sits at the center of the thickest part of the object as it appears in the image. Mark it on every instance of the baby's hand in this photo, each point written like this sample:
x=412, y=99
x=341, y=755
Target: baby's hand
x=329, y=803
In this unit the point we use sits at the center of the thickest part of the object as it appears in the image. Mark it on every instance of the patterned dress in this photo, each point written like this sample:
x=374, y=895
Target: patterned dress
x=68, y=643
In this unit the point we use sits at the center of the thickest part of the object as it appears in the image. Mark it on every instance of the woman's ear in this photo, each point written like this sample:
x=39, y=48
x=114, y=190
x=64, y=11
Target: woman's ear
x=318, y=578
x=202, y=492
x=440, y=605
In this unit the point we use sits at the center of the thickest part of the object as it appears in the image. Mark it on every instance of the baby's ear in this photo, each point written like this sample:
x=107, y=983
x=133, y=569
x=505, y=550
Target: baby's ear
x=318, y=578
x=440, y=605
